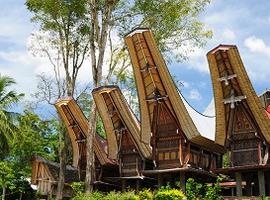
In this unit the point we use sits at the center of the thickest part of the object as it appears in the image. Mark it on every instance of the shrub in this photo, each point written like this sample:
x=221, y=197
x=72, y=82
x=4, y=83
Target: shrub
x=89, y=196
x=146, y=194
x=213, y=191
x=121, y=196
x=194, y=190
x=201, y=191
x=77, y=187
x=265, y=198
x=169, y=194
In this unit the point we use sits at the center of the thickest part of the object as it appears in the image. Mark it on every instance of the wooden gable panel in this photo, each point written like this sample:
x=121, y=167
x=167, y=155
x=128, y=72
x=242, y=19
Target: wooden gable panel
x=77, y=126
x=228, y=74
x=122, y=120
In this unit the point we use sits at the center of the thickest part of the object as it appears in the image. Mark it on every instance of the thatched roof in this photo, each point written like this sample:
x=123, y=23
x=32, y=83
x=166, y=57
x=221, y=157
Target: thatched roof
x=229, y=75
x=77, y=126
x=71, y=174
x=145, y=57
x=116, y=114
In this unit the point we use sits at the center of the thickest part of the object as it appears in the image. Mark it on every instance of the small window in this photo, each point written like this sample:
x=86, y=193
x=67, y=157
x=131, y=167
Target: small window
x=167, y=156
x=173, y=155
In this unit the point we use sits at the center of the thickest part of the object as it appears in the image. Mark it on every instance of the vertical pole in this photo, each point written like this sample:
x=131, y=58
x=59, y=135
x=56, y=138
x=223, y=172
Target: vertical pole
x=232, y=191
x=123, y=185
x=249, y=188
x=137, y=185
x=183, y=181
x=261, y=183
x=160, y=181
x=238, y=178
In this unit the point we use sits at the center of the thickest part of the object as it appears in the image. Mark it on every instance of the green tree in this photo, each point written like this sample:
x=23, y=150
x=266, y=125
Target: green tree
x=6, y=177
x=37, y=137
x=65, y=23
x=8, y=98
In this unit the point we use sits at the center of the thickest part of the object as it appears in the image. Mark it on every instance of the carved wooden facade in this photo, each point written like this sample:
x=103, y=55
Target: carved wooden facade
x=121, y=123
x=265, y=99
x=77, y=126
x=165, y=121
x=243, y=123
x=244, y=136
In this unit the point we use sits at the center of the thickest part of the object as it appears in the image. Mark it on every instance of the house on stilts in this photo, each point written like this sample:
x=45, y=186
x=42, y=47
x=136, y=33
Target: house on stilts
x=175, y=131
x=242, y=123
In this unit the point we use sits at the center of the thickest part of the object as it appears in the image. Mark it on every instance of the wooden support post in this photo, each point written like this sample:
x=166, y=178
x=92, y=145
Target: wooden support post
x=232, y=191
x=267, y=176
x=123, y=185
x=261, y=183
x=238, y=178
x=137, y=185
x=248, y=188
x=160, y=181
x=183, y=181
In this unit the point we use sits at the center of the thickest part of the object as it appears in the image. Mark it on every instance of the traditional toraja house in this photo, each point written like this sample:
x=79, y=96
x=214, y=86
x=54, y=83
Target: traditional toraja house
x=45, y=175
x=265, y=99
x=178, y=147
x=123, y=129
x=77, y=127
x=242, y=123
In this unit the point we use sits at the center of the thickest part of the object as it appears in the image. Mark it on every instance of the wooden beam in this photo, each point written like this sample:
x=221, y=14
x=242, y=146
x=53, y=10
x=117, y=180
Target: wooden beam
x=238, y=178
x=137, y=185
x=160, y=180
x=123, y=185
x=183, y=181
x=261, y=180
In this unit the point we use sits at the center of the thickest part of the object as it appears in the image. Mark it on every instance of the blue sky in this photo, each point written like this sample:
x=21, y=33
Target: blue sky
x=245, y=23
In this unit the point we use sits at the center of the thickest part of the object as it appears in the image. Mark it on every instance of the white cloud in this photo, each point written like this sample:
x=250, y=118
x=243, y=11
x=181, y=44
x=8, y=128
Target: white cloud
x=185, y=84
x=257, y=59
x=228, y=34
x=194, y=94
x=15, y=22
x=257, y=45
x=198, y=61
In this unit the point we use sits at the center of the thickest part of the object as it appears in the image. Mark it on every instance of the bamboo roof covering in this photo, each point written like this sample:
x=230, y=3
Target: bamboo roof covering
x=154, y=83
x=77, y=126
x=51, y=169
x=117, y=115
x=228, y=74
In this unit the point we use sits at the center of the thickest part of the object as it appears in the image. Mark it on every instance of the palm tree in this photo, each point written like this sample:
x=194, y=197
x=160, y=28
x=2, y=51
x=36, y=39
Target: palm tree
x=8, y=98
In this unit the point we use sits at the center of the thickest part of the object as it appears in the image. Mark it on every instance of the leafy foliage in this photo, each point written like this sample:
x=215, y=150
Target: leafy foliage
x=174, y=22
x=213, y=191
x=66, y=29
x=194, y=190
x=6, y=174
x=8, y=98
x=201, y=191
x=89, y=196
x=169, y=194
x=145, y=194
x=36, y=137
x=121, y=196
x=226, y=160
x=77, y=188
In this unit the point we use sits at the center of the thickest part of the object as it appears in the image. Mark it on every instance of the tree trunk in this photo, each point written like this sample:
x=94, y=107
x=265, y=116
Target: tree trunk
x=90, y=168
x=62, y=170
x=100, y=37
x=21, y=195
x=4, y=192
